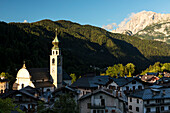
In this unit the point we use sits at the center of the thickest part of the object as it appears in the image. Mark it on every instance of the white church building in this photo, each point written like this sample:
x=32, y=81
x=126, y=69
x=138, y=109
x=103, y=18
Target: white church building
x=44, y=78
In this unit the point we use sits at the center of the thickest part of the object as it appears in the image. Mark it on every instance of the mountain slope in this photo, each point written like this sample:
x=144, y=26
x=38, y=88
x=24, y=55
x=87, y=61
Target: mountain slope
x=159, y=32
x=82, y=46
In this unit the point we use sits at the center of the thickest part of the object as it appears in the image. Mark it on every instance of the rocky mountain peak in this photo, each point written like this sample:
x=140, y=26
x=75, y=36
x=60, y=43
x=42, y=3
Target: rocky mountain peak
x=139, y=21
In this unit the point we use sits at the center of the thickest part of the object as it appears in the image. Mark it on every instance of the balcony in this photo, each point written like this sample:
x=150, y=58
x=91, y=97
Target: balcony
x=157, y=104
x=165, y=111
x=95, y=106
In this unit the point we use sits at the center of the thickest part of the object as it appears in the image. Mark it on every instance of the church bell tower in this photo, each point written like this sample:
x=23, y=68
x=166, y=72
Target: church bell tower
x=56, y=63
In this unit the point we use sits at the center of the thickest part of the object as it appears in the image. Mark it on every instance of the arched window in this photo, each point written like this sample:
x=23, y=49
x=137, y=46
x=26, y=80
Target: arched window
x=22, y=85
x=56, y=52
x=53, y=61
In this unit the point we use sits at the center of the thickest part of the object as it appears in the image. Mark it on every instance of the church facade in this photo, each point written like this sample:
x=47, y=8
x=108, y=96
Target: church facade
x=44, y=78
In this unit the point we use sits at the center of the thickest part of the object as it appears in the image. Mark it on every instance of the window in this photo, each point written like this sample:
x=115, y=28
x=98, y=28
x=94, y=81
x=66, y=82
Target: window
x=127, y=87
x=147, y=101
x=169, y=107
x=162, y=108
x=133, y=82
x=88, y=105
x=102, y=102
x=148, y=110
x=133, y=87
x=53, y=61
x=101, y=97
x=157, y=109
x=140, y=87
x=137, y=109
x=22, y=85
x=130, y=99
x=56, y=52
x=137, y=100
x=94, y=111
x=130, y=107
x=118, y=88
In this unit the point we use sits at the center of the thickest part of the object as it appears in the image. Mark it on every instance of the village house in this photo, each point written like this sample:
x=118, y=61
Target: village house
x=101, y=101
x=89, y=83
x=155, y=99
x=27, y=97
x=4, y=84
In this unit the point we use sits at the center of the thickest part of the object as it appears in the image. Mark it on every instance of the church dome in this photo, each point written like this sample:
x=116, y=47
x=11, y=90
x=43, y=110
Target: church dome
x=23, y=72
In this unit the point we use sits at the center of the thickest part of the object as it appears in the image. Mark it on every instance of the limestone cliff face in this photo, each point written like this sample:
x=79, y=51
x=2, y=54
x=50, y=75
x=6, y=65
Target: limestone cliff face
x=139, y=21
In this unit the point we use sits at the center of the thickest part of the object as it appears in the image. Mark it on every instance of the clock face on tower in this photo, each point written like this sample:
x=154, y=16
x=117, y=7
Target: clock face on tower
x=53, y=70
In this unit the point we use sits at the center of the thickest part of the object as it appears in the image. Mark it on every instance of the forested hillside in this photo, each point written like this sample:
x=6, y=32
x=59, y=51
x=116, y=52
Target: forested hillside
x=82, y=46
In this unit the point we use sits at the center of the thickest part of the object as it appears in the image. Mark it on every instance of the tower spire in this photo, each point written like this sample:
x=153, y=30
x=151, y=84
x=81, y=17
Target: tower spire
x=55, y=42
x=24, y=67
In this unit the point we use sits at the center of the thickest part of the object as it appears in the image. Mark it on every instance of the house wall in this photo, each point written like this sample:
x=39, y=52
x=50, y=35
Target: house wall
x=153, y=108
x=113, y=84
x=3, y=86
x=83, y=91
x=131, y=85
x=111, y=103
x=134, y=105
x=83, y=105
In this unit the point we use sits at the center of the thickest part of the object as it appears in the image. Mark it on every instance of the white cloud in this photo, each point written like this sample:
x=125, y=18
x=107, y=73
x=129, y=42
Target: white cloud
x=109, y=26
x=25, y=21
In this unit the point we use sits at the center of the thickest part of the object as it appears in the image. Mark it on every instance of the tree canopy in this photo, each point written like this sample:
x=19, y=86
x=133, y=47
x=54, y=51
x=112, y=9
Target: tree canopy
x=7, y=105
x=120, y=70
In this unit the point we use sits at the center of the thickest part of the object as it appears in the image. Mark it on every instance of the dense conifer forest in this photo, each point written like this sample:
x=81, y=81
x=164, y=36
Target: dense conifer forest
x=83, y=47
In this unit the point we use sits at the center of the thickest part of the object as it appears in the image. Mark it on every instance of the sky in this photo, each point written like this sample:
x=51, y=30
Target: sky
x=93, y=12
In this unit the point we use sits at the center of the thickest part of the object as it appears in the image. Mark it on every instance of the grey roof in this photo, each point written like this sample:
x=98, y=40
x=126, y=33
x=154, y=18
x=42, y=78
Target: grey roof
x=43, y=84
x=65, y=88
x=147, y=94
x=97, y=91
x=121, y=81
x=23, y=91
x=4, y=80
x=91, y=81
x=39, y=73
x=44, y=73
